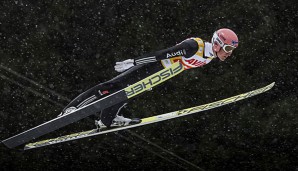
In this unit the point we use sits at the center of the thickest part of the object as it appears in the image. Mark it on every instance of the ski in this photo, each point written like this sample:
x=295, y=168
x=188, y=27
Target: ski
x=108, y=101
x=149, y=120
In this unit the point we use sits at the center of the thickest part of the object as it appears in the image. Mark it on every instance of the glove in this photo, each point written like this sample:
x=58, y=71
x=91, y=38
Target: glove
x=124, y=65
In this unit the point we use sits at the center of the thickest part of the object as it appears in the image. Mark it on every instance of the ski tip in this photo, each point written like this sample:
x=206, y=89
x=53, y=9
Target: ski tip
x=272, y=84
x=269, y=86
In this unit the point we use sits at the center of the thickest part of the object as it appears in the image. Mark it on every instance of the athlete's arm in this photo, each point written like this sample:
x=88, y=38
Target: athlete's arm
x=186, y=48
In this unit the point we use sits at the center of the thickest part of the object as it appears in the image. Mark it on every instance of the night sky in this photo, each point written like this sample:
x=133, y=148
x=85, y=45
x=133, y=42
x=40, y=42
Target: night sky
x=51, y=51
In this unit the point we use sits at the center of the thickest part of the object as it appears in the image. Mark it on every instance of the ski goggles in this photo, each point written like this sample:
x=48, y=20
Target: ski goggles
x=228, y=48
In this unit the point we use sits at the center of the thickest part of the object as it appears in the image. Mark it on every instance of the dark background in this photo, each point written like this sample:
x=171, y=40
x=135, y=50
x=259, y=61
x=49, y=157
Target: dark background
x=51, y=51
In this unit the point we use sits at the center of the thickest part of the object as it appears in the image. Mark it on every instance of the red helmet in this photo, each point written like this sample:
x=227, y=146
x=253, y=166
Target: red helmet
x=226, y=39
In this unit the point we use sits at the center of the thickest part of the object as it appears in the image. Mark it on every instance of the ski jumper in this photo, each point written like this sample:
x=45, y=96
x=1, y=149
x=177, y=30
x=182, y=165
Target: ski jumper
x=192, y=53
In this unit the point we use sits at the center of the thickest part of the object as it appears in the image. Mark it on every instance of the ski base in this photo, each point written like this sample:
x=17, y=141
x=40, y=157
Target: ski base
x=149, y=120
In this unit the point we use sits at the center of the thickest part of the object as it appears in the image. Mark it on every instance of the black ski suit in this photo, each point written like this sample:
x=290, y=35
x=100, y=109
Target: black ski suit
x=144, y=67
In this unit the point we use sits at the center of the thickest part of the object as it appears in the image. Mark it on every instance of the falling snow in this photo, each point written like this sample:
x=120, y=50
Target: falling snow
x=51, y=51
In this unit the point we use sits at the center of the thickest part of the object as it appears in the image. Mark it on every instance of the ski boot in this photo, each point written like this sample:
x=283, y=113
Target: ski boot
x=122, y=121
x=99, y=124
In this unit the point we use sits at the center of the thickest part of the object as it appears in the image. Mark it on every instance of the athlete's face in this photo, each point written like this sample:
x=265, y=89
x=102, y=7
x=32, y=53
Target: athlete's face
x=222, y=55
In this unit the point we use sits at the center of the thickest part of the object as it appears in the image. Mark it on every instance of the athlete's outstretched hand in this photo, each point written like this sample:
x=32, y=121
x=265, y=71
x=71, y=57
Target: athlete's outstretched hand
x=124, y=65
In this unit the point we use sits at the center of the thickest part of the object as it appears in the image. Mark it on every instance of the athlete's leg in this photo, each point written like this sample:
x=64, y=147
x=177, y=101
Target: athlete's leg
x=121, y=81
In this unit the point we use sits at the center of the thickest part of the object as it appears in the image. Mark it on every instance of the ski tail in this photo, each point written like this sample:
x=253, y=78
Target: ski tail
x=150, y=120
